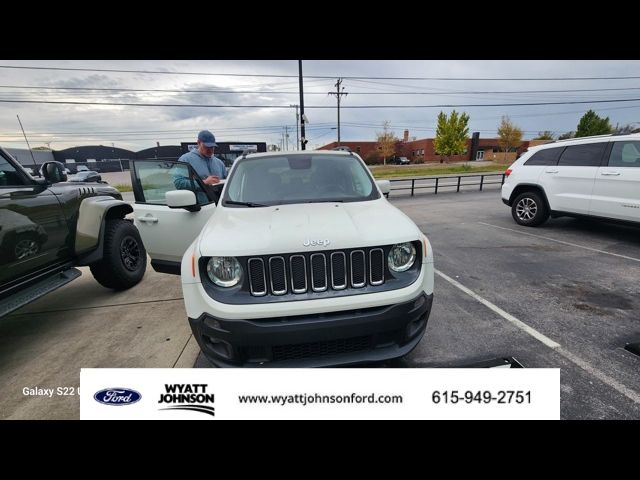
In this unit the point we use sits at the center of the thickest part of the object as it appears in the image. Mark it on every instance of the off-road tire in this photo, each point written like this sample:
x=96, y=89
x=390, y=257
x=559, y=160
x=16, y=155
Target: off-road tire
x=124, y=258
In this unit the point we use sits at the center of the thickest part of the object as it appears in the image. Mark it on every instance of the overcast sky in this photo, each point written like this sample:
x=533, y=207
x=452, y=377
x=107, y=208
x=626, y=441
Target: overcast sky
x=191, y=83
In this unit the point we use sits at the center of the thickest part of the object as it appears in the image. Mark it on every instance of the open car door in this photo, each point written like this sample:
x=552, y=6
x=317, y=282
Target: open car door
x=167, y=231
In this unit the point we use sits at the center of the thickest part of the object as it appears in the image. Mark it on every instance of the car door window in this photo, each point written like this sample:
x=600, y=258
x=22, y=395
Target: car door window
x=587, y=155
x=9, y=175
x=154, y=179
x=546, y=157
x=625, y=154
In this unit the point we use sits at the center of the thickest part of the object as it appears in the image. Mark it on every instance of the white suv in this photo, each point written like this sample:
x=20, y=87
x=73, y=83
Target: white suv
x=302, y=262
x=591, y=176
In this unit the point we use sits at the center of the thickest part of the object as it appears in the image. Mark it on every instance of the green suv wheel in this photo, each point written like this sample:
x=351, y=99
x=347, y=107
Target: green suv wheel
x=124, y=259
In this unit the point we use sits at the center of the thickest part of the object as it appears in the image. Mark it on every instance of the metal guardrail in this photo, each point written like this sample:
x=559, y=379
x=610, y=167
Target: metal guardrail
x=438, y=183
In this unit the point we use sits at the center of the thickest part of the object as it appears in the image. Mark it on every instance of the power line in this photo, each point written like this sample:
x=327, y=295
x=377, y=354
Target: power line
x=160, y=90
x=229, y=130
x=127, y=104
x=262, y=92
x=164, y=72
x=143, y=135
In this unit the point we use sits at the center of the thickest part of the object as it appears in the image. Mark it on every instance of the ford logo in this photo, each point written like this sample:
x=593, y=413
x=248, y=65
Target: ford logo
x=117, y=396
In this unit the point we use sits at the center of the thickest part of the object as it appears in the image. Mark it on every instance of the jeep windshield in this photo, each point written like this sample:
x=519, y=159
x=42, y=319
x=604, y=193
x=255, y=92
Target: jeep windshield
x=298, y=178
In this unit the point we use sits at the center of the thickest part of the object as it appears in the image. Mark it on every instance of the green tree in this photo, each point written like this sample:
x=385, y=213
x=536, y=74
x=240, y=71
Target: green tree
x=509, y=136
x=546, y=135
x=386, y=142
x=591, y=124
x=452, y=134
x=567, y=135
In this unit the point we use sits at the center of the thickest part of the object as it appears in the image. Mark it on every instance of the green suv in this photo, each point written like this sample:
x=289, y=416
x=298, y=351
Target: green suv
x=49, y=226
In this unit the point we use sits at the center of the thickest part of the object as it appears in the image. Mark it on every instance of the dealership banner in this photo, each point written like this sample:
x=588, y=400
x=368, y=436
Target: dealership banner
x=345, y=393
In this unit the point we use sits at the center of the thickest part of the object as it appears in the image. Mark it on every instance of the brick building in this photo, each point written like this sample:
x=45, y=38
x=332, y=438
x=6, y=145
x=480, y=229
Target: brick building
x=422, y=150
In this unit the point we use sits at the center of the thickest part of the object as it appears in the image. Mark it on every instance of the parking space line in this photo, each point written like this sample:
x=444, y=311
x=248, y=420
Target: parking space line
x=507, y=316
x=603, y=377
x=564, y=243
x=583, y=364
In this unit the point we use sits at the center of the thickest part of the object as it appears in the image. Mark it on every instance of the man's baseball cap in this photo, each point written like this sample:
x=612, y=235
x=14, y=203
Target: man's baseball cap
x=207, y=138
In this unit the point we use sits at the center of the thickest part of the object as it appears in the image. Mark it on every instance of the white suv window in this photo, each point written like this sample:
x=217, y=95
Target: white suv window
x=546, y=157
x=586, y=155
x=155, y=179
x=625, y=154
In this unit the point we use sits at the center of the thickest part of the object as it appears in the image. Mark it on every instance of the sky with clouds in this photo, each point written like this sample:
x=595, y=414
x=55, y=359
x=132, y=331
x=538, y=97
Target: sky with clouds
x=169, y=101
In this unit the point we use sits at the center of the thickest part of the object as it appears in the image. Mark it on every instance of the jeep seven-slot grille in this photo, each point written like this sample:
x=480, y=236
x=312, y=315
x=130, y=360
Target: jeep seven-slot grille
x=316, y=272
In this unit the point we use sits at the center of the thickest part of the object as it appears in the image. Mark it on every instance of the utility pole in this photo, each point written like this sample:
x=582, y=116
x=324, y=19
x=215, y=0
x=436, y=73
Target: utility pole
x=338, y=93
x=303, y=141
x=297, y=120
x=286, y=137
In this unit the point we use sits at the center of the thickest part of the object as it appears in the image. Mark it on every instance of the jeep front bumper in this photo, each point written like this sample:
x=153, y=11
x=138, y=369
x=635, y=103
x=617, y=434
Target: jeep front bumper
x=345, y=337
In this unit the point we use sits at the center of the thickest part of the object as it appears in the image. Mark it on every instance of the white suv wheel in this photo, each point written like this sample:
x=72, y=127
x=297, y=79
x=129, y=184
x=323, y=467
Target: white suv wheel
x=526, y=209
x=529, y=209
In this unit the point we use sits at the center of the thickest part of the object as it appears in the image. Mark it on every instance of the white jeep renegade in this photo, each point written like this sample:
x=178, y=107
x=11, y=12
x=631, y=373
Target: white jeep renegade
x=298, y=260
x=591, y=176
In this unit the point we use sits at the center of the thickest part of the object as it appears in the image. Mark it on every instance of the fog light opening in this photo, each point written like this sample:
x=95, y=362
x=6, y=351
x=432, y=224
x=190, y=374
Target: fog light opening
x=415, y=326
x=220, y=348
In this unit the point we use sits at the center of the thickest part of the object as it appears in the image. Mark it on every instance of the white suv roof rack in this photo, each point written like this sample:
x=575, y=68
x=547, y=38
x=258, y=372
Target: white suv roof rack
x=583, y=138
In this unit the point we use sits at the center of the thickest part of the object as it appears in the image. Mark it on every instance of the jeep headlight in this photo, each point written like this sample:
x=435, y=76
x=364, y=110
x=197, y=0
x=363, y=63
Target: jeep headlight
x=401, y=257
x=224, y=271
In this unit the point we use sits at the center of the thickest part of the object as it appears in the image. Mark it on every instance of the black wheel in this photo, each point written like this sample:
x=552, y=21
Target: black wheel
x=124, y=259
x=529, y=209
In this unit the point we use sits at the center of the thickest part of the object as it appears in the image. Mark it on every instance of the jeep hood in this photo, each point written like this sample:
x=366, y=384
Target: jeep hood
x=286, y=228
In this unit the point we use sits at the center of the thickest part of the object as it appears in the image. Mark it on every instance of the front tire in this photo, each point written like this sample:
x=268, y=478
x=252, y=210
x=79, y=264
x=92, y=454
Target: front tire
x=124, y=259
x=529, y=209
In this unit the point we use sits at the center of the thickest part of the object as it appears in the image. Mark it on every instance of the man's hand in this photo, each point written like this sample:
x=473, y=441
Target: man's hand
x=211, y=180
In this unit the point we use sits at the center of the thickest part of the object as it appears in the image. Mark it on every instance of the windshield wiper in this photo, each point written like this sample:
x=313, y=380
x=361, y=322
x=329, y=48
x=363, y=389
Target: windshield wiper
x=246, y=204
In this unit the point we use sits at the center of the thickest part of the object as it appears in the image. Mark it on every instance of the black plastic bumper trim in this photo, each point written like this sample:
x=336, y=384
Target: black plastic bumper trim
x=164, y=266
x=389, y=332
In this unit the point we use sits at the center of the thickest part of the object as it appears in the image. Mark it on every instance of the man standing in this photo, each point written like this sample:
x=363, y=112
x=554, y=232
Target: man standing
x=209, y=168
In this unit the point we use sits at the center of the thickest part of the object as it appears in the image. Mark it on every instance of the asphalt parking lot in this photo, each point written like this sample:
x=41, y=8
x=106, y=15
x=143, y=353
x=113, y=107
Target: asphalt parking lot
x=563, y=295
x=573, y=285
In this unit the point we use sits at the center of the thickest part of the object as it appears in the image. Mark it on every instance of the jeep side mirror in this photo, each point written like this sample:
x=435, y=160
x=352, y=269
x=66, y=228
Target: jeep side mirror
x=384, y=186
x=182, y=199
x=53, y=172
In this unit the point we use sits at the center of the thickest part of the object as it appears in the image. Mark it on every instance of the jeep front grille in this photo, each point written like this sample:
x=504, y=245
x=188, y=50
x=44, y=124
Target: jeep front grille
x=321, y=349
x=316, y=272
x=257, y=279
